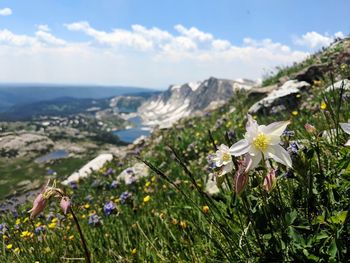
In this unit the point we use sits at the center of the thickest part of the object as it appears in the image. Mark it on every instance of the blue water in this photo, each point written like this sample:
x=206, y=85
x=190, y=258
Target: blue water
x=59, y=154
x=130, y=135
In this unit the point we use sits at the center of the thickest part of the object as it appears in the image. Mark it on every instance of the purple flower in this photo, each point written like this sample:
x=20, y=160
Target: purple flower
x=114, y=184
x=211, y=162
x=39, y=230
x=109, y=172
x=50, y=172
x=95, y=220
x=108, y=208
x=3, y=228
x=74, y=185
x=124, y=196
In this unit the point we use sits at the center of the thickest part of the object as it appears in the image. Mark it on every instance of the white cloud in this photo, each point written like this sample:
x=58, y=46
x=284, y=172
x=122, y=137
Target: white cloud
x=43, y=28
x=139, y=56
x=316, y=40
x=5, y=12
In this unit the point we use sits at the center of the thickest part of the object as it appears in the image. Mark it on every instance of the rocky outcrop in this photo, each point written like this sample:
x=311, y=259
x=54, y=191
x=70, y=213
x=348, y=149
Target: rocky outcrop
x=87, y=169
x=133, y=174
x=312, y=73
x=345, y=84
x=281, y=98
x=17, y=145
x=183, y=100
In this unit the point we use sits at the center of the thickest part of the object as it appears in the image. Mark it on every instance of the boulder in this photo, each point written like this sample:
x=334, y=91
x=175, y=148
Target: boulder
x=133, y=173
x=312, y=73
x=94, y=165
x=345, y=84
x=284, y=97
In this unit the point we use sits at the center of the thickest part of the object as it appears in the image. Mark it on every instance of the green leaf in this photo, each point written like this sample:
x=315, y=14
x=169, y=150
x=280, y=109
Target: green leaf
x=339, y=218
x=332, y=249
x=290, y=217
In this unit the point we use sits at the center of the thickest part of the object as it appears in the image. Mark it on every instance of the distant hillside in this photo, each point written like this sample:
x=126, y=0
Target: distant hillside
x=66, y=106
x=14, y=94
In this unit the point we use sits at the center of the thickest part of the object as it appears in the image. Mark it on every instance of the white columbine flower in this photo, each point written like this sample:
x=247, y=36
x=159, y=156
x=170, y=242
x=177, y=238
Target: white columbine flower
x=263, y=141
x=223, y=159
x=346, y=128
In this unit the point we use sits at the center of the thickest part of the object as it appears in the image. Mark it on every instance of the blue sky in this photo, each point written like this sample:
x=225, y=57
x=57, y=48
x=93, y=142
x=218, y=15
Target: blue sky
x=157, y=43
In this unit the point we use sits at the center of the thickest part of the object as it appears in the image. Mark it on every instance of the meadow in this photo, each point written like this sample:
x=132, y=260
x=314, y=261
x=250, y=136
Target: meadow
x=291, y=207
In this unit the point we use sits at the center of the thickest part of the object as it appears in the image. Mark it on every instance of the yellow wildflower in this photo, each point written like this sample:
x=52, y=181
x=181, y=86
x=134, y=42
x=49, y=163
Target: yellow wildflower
x=4, y=237
x=71, y=237
x=83, y=216
x=16, y=250
x=147, y=184
x=183, y=224
x=38, y=224
x=295, y=113
x=86, y=206
x=18, y=221
x=52, y=225
x=174, y=221
x=9, y=246
x=205, y=209
x=146, y=199
x=323, y=105
x=54, y=220
x=134, y=251
x=26, y=234
x=153, y=178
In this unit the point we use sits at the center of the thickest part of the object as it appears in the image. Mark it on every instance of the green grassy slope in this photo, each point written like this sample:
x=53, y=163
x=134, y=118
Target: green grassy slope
x=167, y=217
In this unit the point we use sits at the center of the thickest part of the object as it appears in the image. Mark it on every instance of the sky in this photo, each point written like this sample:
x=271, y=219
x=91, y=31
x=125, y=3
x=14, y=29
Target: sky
x=160, y=42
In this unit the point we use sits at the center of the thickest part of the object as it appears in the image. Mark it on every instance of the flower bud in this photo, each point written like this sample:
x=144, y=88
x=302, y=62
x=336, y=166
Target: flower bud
x=310, y=128
x=270, y=181
x=38, y=205
x=65, y=204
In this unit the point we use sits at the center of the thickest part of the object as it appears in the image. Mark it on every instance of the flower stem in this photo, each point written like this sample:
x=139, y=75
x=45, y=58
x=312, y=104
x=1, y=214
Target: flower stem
x=87, y=254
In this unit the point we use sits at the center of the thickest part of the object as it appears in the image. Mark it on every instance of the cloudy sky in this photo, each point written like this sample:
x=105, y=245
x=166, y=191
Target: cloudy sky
x=160, y=42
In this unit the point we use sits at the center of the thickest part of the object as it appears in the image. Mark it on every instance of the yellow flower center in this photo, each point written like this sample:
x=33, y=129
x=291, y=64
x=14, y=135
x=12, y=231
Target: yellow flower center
x=261, y=142
x=226, y=157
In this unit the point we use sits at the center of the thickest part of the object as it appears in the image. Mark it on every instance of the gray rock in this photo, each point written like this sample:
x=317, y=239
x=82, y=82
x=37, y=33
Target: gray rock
x=345, y=84
x=284, y=95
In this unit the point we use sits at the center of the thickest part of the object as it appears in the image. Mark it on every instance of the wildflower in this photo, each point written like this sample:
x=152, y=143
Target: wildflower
x=26, y=234
x=295, y=113
x=310, y=128
x=183, y=224
x=95, y=220
x=205, y=209
x=223, y=158
x=39, y=229
x=134, y=251
x=74, y=185
x=9, y=246
x=124, y=196
x=52, y=225
x=71, y=237
x=346, y=128
x=114, y=184
x=146, y=199
x=323, y=105
x=148, y=184
x=65, y=204
x=109, y=207
x=86, y=206
x=109, y=172
x=38, y=205
x=294, y=148
x=270, y=181
x=16, y=250
x=241, y=176
x=262, y=141
x=174, y=221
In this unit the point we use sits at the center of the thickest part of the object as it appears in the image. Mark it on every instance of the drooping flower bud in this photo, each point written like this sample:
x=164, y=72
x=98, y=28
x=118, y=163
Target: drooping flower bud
x=270, y=181
x=65, y=204
x=310, y=128
x=241, y=177
x=38, y=205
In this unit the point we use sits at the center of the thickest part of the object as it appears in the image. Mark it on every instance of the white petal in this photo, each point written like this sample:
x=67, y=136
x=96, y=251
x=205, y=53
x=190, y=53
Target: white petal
x=239, y=148
x=347, y=143
x=255, y=160
x=275, y=128
x=223, y=148
x=274, y=139
x=280, y=155
x=228, y=167
x=345, y=127
x=252, y=126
